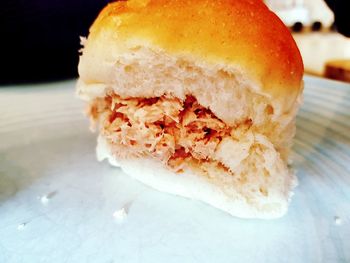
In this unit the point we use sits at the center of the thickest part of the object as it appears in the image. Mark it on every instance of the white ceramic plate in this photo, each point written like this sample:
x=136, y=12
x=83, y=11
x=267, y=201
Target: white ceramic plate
x=57, y=202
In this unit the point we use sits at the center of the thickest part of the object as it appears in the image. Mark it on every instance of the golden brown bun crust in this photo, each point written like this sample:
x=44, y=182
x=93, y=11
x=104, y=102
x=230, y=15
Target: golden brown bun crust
x=238, y=33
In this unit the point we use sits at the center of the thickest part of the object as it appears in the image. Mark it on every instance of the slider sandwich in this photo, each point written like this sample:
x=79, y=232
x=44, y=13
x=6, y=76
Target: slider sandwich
x=196, y=98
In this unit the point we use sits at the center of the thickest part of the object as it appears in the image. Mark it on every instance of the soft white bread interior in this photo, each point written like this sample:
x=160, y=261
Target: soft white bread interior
x=258, y=197
x=236, y=59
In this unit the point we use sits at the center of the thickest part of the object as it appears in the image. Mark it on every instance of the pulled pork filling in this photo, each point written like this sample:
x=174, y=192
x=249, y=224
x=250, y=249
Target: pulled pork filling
x=168, y=129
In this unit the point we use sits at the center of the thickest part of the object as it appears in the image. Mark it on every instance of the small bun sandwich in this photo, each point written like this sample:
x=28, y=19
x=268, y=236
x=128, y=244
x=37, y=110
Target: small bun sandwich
x=196, y=98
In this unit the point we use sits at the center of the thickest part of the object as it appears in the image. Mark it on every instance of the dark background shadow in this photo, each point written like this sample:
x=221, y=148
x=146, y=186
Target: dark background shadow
x=40, y=39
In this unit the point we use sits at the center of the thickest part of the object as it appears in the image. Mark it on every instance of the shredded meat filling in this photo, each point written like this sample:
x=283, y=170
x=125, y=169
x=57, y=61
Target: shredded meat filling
x=165, y=128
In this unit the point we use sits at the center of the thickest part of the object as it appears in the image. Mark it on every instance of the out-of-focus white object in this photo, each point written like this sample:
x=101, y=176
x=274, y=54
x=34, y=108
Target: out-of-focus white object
x=319, y=11
x=290, y=11
x=318, y=48
x=304, y=11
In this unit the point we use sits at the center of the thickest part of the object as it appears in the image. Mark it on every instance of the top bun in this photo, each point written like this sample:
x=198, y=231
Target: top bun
x=241, y=36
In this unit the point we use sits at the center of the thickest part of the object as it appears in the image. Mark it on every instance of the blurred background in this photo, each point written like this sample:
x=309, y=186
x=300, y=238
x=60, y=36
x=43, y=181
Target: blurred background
x=321, y=29
x=40, y=38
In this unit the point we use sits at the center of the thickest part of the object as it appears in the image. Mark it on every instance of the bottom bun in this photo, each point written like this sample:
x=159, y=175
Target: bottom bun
x=196, y=186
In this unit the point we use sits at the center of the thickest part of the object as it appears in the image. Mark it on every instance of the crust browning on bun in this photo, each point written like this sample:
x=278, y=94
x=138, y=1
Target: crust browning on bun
x=206, y=90
x=237, y=36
